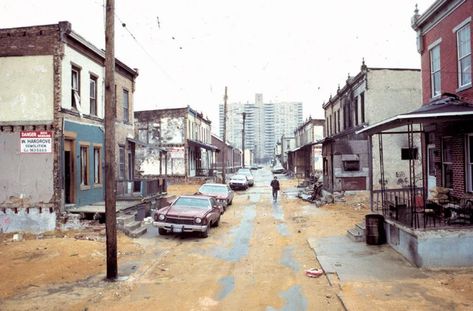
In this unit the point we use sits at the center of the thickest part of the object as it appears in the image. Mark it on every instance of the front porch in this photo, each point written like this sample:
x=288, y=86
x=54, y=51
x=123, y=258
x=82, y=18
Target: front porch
x=429, y=220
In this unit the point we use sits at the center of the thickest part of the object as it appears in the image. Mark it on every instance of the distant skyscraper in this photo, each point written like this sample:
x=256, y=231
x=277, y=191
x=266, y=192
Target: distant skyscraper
x=265, y=124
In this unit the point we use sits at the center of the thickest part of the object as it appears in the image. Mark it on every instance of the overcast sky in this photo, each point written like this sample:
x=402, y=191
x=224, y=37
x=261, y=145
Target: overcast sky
x=187, y=51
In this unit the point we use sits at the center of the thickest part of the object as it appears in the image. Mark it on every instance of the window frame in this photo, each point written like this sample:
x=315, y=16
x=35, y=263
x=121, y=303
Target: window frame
x=121, y=164
x=362, y=107
x=435, y=74
x=98, y=168
x=461, y=58
x=75, y=90
x=126, y=108
x=84, y=170
x=446, y=163
x=469, y=162
x=93, y=99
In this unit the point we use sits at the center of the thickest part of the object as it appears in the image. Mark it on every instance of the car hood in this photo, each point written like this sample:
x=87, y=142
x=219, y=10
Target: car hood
x=184, y=211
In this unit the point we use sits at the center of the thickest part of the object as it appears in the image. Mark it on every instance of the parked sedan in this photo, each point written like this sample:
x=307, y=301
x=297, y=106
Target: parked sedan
x=239, y=182
x=248, y=174
x=188, y=214
x=221, y=192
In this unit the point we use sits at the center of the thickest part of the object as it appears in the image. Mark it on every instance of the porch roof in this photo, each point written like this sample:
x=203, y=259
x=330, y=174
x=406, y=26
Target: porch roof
x=448, y=108
x=203, y=145
x=306, y=145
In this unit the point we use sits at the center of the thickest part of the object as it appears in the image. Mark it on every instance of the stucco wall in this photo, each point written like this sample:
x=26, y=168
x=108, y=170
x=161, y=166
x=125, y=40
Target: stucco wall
x=434, y=248
x=31, y=220
x=391, y=92
x=26, y=180
x=88, y=67
x=26, y=88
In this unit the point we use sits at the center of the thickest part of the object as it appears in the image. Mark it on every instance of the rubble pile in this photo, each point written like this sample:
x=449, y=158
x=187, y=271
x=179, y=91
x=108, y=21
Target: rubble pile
x=439, y=195
x=312, y=192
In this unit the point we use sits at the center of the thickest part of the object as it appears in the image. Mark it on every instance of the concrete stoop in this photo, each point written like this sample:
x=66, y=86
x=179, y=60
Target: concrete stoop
x=131, y=227
x=357, y=234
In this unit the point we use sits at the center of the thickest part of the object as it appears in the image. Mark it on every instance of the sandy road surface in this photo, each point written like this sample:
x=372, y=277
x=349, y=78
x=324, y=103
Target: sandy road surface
x=255, y=260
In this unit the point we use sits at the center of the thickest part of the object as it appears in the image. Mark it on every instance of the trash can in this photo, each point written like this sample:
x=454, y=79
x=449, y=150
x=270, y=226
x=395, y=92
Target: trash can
x=375, y=229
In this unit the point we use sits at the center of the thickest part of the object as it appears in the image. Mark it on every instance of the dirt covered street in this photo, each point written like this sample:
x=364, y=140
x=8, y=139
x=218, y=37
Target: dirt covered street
x=254, y=260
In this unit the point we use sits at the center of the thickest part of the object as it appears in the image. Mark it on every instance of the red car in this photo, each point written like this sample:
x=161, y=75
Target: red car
x=221, y=192
x=188, y=214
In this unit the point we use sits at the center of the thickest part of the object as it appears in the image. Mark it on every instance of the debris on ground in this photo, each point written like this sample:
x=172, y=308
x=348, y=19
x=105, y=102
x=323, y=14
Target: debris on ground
x=314, y=272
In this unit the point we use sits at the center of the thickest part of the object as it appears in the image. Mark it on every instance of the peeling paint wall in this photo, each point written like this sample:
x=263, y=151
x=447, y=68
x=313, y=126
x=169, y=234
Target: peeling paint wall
x=176, y=163
x=26, y=180
x=26, y=88
x=172, y=130
x=32, y=220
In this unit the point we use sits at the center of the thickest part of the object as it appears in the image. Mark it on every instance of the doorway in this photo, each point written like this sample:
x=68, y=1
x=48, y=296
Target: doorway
x=69, y=185
x=431, y=179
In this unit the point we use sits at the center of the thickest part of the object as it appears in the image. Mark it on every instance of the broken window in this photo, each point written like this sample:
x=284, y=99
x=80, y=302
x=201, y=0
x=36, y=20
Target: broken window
x=93, y=95
x=351, y=162
x=75, y=87
x=84, y=165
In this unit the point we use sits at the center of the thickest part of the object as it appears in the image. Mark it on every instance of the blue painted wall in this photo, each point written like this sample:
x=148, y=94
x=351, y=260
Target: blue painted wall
x=92, y=135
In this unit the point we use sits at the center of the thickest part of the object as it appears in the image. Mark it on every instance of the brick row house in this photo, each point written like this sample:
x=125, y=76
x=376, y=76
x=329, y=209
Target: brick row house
x=442, y=196
x=185, y=136
x=372, y=95
x=305, y=159
x=51, y=124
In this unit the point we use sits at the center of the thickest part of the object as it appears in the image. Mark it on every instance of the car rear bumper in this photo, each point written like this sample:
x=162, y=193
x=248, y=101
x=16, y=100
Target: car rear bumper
x=172, y=227
x=238, y=186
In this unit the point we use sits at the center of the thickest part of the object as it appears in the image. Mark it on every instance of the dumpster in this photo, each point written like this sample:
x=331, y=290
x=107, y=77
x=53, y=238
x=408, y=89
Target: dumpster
x=375, y=229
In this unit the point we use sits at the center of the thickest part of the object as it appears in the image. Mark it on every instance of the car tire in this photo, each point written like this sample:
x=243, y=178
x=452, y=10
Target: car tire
x=230, y=202
x=162, y=231
x=217, y=222
x=205, y=233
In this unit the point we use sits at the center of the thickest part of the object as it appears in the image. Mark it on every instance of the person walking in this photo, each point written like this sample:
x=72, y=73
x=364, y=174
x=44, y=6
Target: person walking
x=275, y=186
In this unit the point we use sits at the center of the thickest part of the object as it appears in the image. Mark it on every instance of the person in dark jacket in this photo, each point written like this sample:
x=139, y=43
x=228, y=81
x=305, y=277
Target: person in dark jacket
x=275, y=186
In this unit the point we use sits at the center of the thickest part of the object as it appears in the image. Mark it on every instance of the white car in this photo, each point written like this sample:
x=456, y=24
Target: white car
x=238, y=182
x=248, y=174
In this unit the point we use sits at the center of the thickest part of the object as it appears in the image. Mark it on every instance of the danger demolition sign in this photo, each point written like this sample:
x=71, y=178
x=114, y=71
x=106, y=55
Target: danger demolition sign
x=36, y=141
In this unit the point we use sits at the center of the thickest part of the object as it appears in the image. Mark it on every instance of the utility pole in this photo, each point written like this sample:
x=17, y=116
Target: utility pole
x=224, y=163
x=243, y=138
x=110, y=109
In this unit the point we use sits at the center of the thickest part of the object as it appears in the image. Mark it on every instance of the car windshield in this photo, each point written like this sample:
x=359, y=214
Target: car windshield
x=192, y=202
x=213, y=189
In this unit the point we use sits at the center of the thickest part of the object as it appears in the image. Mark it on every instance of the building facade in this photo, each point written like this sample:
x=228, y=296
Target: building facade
x=231, y=154
x=51, y=121
x=265, y=123
x=372, y=95
x=184, y=134
x=305, y=159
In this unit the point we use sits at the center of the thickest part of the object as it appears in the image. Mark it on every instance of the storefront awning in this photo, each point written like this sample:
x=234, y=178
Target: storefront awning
x=305, y=146
x=448, y=108
x=203, y=145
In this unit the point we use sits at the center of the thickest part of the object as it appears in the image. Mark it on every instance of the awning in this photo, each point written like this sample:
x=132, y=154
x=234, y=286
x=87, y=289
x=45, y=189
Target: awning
x=318, y=142
x=203, y=145
x=449, y=108
x=350, y=157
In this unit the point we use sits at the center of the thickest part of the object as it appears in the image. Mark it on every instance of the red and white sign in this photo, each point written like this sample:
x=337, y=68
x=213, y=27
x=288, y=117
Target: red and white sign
x=36, y=141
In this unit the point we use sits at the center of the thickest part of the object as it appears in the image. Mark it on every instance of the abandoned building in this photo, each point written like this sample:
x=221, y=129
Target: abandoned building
x=305, y=159
x=51, y=124
x=370, y=96
x=184, y=134
x=233, y=156
x=430, y=221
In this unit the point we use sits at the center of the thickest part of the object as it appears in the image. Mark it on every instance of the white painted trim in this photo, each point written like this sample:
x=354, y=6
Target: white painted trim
x=434, y=44
x=466, y=21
